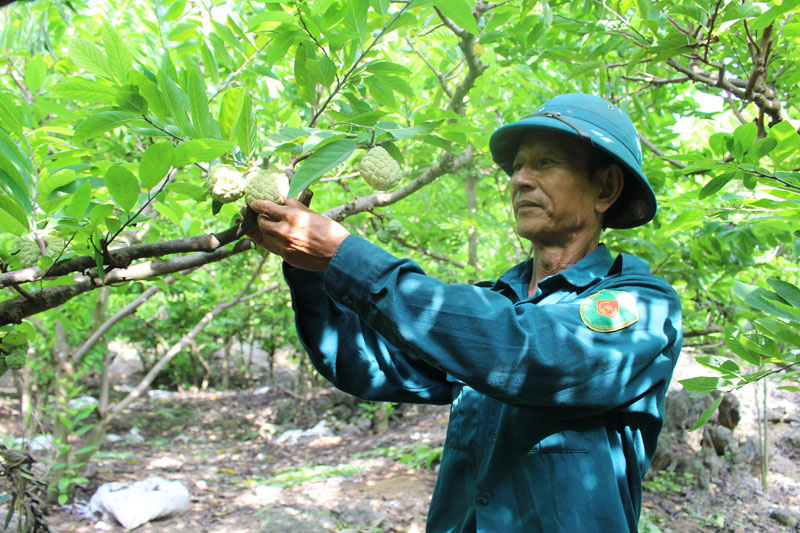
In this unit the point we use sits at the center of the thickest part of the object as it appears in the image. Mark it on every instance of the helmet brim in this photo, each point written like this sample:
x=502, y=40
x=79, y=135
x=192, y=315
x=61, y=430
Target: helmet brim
x=637, y=202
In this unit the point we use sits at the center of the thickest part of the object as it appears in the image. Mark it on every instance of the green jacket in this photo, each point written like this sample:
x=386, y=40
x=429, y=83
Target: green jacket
x=557, y=400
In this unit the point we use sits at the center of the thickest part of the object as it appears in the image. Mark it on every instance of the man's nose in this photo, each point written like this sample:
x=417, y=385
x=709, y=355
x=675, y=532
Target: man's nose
x=523, y=178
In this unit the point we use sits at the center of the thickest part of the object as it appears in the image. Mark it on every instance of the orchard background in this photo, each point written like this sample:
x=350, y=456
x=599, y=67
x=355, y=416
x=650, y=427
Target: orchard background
x=112, y=112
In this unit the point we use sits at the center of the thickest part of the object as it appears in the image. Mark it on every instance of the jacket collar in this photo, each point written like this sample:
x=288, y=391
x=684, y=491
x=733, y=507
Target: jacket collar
x=582, y=274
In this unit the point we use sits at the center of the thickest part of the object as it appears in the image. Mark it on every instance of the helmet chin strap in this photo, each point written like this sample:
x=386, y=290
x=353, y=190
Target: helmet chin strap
x=561, y=118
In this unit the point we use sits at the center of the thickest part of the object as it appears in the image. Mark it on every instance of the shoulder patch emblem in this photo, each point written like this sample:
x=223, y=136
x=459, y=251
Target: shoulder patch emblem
x=608, y=311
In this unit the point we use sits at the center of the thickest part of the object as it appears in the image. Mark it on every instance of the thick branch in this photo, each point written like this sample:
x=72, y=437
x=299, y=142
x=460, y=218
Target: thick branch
x=447, y=164
x=14, y=310
x=125, y=256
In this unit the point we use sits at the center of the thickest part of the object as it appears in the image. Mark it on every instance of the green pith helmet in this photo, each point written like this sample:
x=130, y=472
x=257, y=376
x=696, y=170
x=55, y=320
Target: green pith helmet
x=602, y=125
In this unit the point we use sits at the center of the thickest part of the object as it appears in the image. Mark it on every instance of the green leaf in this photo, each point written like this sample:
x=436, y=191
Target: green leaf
x=119, y=57
x=769, y=16
x=717, y=143
x=10, y=117
x=102, y=122
x=701, y=384
x=89, y=57
x=733, y=343
x=460, y=12
x=245, y=129
x=198, y=107
x=123, y=186
x=229, y=110
x=156, y=162
x=84, y=90
x=199, y=150
x=787, y=138
x=760, y=299
x=305, y=85
x=175, y=11
x=406, y=133
x=743, y=137
x=12, y=215
x=706, y=415
x=176, y=103
x=778, y=331
x=787, y=291
x=80, y=201
x=761, y=147
x=131, y=101
x=15, y=171
x=35, y=71
x=195, y=192
x=714, y=185
x=320, y=162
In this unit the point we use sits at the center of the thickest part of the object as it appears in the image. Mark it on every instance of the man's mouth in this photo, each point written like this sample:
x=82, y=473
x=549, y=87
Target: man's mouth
x=523, y=204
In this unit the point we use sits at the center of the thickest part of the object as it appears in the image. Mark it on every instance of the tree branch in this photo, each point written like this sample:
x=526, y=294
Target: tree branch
x=14, y=310
x=125, y=256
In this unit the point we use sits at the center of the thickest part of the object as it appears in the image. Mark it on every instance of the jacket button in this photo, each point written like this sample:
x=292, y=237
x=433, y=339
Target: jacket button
x=484, y=498
x=347, y=300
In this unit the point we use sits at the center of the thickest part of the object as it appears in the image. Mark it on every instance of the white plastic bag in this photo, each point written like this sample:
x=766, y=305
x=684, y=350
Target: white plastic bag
x=135, y=504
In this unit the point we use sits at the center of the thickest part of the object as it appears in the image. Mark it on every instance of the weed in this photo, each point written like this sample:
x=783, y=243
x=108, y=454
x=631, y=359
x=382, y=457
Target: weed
x=666, y=482
x=305, y=474
x=413, y=455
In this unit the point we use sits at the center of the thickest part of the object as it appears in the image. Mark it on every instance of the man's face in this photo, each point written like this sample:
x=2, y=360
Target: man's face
x=551, y=195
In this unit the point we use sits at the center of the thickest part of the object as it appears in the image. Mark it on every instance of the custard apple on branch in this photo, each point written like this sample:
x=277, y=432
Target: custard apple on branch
x=394, y=227
x=266, y=185
x=16, y=359
x=379, y=169
x=225, y=184
x=30, y=252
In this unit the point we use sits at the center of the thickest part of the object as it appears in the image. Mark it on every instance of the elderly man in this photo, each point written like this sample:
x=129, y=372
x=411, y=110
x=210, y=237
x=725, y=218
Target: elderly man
x=556, y=372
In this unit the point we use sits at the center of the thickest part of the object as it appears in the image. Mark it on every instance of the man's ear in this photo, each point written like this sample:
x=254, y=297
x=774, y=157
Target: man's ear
x=611, y=180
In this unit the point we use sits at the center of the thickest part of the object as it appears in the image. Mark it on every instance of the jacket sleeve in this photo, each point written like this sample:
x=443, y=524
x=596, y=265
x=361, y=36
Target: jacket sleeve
x=354, y=357
x=519, y=353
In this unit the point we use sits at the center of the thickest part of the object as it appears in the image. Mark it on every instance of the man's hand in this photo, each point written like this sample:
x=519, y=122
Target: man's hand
x=300, y=236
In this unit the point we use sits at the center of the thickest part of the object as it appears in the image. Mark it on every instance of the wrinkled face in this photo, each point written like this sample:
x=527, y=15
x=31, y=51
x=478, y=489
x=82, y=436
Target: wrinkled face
x=553, y=199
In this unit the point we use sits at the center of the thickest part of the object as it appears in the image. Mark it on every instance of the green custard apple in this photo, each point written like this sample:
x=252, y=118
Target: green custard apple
x=266, y=185
x=225, y=183
x=379, y=169
x=29, y=251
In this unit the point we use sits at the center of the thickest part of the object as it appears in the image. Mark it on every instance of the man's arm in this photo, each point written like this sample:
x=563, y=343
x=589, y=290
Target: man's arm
x=519, y=353
x=349, y=354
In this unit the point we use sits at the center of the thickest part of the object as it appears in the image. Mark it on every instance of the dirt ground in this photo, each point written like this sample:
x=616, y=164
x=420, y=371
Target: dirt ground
x=245, y=474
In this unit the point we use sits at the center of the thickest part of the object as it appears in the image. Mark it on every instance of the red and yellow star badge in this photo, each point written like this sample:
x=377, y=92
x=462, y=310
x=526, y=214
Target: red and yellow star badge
x=609, y=310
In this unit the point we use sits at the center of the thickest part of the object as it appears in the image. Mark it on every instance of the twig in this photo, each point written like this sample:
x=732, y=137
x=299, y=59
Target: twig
x=341, y=82
x=660, y=153
x=238, y=71
x=439, y=75
x=425, y=251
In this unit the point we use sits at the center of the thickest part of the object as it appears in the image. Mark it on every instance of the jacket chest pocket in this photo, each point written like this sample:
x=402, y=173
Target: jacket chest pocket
x=464, y=412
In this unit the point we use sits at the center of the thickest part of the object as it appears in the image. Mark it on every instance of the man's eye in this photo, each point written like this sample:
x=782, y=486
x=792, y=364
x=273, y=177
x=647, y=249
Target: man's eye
x=546, y=161
x=515, y=167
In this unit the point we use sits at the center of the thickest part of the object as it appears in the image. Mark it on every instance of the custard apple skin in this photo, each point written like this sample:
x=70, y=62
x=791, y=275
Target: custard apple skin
x=394, y=227
x=266, y=185
x=384, y=236
x=379, y=169
x=16, y=359
x=225, y=183
x=29, y=251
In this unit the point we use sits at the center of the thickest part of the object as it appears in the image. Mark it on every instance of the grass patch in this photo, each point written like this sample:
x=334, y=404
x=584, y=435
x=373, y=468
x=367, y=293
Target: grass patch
x=304, y=474
x=413, y=455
